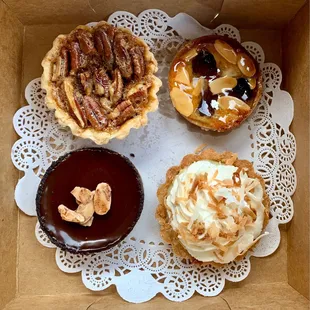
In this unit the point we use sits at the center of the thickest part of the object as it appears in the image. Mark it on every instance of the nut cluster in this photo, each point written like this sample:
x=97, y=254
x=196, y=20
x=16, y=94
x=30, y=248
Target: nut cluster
x=97, y=201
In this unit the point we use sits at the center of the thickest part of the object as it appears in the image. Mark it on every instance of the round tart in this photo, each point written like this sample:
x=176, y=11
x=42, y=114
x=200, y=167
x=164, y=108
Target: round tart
x=215, y=83
x=87, y=168
x=100, y=81
x=212, y=208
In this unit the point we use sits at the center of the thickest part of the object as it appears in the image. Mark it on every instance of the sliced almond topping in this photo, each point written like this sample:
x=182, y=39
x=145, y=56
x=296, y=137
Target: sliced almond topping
x=181, y=101
x=182, y=75
x=199, y=87
x=226, y=51
x=190, y=55
x=219, y=85
x=70, y=215
x=232, y=103
x=246, y=65
x=252, y=82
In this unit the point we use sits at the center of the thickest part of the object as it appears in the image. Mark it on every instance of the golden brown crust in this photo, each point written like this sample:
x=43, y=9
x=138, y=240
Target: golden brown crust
x=166, y=231
x=65, y=119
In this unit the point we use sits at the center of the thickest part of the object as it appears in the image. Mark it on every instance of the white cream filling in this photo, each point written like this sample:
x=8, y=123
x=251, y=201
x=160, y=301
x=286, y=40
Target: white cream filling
x=229, y=216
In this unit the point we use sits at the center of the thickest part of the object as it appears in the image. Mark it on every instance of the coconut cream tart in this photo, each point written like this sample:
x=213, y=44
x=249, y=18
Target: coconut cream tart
x=213, y=207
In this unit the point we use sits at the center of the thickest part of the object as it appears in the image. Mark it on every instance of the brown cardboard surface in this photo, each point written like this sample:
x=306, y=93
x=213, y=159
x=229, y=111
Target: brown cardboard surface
x=269, y=296
x=296, y=80
x=11, y=34
x=250, y=13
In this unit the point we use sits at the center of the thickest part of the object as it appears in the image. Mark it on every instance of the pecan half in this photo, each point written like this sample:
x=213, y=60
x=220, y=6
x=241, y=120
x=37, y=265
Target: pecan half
x=75, y=104
x=102, y=83
x=94, y=113
x=137, y=57
x=122, y=57
x=61, y=67
x=110, y=31
x=139, y=96
x=87, y=82
x=117, y=86
x=78, y=59
x=104, y=47
x=102, y=198
x=106, y=104
x=86, y=41
x=122, y=113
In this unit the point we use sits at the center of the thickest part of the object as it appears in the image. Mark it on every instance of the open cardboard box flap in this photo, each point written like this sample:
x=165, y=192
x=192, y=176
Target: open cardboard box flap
x=29, y=276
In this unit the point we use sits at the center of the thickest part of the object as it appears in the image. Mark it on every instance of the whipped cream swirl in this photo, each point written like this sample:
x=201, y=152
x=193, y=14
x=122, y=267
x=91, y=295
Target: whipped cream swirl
x=216, y=210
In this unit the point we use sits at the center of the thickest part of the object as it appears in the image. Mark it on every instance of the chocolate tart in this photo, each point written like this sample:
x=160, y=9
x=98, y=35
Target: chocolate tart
x=212, y=208
x=87, y=168
x=215, y=83
x=100, y=81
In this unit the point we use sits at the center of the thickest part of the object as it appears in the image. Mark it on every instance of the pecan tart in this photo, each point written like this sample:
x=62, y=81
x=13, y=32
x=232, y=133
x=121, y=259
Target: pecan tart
x=212, y=208
x=215, y=83
x=101, y=82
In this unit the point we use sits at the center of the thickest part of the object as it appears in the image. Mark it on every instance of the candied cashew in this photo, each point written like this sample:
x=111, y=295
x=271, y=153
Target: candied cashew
x=82, y=195
x=102, y=198
x=70, y=215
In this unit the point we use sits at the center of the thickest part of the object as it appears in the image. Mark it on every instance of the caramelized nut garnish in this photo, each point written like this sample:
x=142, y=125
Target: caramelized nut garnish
x=102, y=83
x=136, y=54
x=87, y=82
x=74, y=105
x=104, y=47
x=70, y=215
x=219, y=85
x=252, y=82
x=190, y=55
x=102, y=198
x=61, y=67
x=181, y=101
x=125, y=111
x=199, y=87
x=116, y=91
x=94, y=113
x=122, y=57
x=246, y=65
x=226, y=51
x=182, y=75
x=232, y=103
x=82, y=195
x=86, y=41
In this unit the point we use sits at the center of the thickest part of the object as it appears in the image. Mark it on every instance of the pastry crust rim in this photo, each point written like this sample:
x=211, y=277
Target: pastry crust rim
x=65, y=119
x=166, y=231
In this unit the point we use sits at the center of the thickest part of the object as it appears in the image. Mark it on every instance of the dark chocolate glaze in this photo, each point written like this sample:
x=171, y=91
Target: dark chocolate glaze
x=87, y=168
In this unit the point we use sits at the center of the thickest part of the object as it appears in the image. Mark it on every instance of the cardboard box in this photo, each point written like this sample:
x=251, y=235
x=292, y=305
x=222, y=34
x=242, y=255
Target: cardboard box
x=29, y=277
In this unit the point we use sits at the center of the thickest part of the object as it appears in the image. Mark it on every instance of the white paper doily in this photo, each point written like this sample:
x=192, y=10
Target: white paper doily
x=142, y=266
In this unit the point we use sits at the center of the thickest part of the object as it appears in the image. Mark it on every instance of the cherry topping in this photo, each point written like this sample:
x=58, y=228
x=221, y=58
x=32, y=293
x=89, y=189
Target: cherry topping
x=204, y=64
x=242, y=90
x=207, y=105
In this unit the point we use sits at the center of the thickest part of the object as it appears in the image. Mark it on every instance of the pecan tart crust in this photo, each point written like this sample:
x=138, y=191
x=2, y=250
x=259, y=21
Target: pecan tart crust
x=100, y=81
x=163, y=214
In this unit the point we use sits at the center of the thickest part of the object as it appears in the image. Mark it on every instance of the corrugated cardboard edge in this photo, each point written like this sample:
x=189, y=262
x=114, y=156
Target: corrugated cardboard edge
x=296, y=81
x=11, y=34
x=269, y=296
